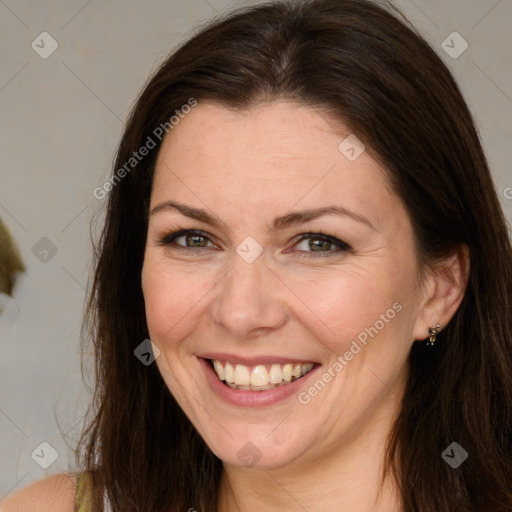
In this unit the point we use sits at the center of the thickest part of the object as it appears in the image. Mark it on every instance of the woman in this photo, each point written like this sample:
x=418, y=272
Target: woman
x=302, y=221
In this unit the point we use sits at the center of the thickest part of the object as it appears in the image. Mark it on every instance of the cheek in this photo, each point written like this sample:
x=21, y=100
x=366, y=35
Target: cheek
x=342, y=305
x=173, y=299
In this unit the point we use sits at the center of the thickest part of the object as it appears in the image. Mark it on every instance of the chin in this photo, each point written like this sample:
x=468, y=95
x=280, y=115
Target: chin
x=256, y=447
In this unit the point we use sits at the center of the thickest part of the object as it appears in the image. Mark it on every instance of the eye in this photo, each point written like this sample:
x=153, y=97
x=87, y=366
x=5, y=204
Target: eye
x=187, y=239
x=310, y=245
x=319, y=244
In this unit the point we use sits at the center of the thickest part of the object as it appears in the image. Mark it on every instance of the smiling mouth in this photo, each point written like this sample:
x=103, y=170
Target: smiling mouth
x=259, y=377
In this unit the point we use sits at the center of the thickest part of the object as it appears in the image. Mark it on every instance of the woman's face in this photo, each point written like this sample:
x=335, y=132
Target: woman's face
x=301, y=262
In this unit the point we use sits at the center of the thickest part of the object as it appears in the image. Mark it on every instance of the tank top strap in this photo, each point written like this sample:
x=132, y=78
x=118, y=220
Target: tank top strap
x=83, y=500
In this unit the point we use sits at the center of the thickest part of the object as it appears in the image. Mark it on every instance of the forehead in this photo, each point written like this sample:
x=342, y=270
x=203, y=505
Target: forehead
x=274, y=130
x=278, y=153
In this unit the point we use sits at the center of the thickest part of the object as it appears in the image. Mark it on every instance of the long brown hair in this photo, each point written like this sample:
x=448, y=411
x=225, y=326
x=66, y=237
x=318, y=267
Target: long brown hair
x=359, y=62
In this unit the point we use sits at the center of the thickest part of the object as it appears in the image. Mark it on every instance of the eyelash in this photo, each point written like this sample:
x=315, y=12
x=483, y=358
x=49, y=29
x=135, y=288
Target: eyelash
x=168, y=239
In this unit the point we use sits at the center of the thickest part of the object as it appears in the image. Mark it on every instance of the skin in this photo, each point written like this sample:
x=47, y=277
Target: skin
x=246, y=168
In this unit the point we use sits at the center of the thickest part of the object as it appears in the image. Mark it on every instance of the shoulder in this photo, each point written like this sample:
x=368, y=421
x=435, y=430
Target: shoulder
x=55, y=493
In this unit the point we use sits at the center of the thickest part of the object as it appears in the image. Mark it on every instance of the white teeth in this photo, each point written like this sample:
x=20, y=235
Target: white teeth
x=218, y=368
x=306, y=368
x=229, y=373
x=240, y=376
x=287, y=372
x=259, y=376
x=275, y=376
x=251, y=388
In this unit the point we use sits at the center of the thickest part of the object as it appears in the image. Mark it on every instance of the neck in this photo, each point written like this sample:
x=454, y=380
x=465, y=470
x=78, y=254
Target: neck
x=349, y=478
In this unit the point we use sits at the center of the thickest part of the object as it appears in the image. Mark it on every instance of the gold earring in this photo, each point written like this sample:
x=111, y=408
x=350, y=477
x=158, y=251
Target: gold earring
x=433, y=331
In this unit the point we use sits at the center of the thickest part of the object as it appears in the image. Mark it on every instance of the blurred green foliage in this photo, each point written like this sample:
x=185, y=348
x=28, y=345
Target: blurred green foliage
x=11, y=263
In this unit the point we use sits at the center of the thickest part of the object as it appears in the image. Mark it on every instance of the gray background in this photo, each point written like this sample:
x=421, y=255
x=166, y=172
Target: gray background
x=61, y=120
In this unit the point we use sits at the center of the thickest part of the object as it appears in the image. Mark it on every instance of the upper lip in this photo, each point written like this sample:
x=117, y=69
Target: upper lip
x=253, y=360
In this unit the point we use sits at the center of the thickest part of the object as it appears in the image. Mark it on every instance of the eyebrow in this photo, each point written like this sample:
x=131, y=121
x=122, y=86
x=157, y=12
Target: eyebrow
x=279, y=223
x=188, y=211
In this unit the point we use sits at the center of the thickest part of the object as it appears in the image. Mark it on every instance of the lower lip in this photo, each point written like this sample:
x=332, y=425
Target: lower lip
x=247, y=398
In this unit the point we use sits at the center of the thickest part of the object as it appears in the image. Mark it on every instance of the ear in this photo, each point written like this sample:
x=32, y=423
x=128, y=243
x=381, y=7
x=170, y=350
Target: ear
x=444, y=288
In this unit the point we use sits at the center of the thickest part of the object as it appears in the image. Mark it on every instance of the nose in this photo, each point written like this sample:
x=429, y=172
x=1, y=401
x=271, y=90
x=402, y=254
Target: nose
x=249, y=301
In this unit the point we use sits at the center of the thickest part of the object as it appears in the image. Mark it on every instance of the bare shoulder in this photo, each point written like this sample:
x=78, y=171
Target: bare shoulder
x=55, y=493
